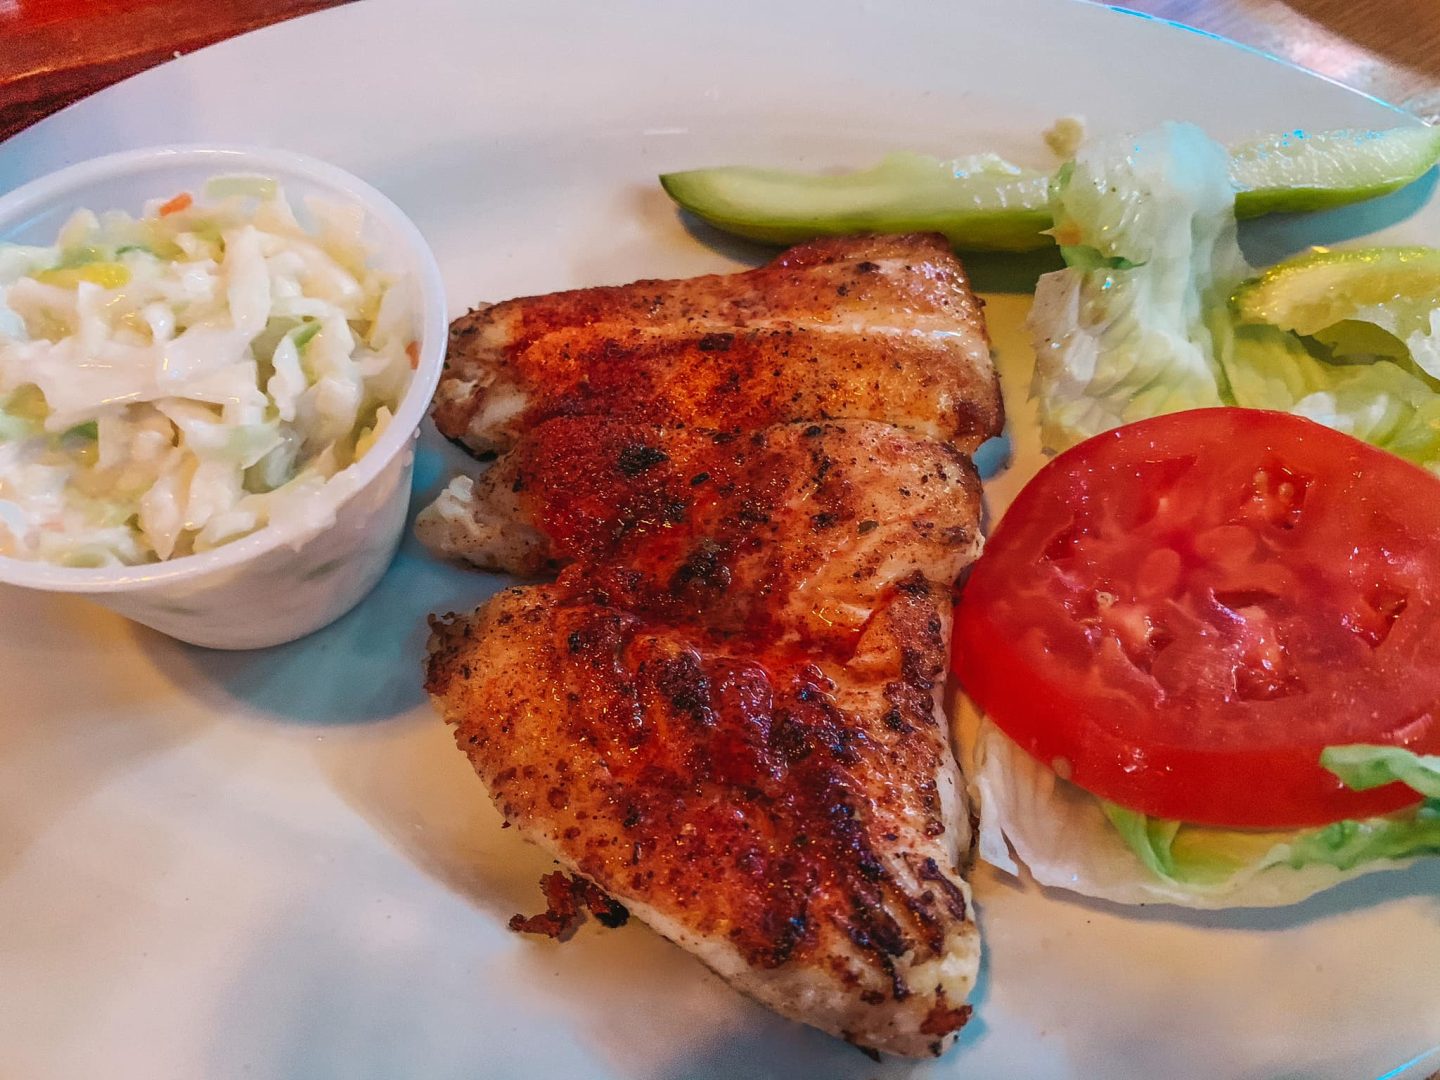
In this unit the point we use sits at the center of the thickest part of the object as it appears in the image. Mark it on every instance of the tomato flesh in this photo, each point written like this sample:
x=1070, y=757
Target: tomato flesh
x=1180, y=614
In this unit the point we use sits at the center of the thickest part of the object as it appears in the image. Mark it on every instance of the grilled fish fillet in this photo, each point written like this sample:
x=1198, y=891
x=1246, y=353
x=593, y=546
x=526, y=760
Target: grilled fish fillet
x=875, y=328
x=594, y=490
x=726, y=710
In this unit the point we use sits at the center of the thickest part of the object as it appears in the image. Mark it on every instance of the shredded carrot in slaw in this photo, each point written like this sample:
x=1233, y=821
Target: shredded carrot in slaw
x=413, y=352
x=183, y=201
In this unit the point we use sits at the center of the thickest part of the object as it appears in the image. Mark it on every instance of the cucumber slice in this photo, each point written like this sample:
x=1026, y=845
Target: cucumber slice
x=985, y=204
x=1297, y=171
x=980, y=205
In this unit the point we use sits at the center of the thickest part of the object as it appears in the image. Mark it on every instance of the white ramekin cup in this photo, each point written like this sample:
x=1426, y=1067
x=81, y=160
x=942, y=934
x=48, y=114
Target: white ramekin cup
x=289, y=579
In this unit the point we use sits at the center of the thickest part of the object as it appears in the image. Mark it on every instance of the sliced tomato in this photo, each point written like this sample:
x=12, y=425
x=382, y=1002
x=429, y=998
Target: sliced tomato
x=1180, y=614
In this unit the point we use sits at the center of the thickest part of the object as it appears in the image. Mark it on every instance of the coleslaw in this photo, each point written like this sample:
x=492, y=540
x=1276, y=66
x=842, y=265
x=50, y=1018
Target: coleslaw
x=172, y=382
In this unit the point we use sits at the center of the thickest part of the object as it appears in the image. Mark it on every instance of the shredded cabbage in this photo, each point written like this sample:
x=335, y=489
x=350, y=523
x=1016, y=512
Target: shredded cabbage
x=172, y=382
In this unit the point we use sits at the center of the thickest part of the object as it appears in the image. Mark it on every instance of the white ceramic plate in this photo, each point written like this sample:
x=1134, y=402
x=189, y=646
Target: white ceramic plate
x=276, y=864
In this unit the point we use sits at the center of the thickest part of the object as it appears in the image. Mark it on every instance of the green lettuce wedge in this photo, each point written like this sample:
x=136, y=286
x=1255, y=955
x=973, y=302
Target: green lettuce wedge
x=1139, y=322
x=1147, y=227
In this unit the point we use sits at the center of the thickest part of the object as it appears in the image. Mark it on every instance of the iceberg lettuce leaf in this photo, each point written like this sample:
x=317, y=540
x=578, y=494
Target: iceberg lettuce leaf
x=1191, y=854
x=1205, y=856
x=1362, y=767
x=1147, y=228
x=1070, y=839
x=1385, y=402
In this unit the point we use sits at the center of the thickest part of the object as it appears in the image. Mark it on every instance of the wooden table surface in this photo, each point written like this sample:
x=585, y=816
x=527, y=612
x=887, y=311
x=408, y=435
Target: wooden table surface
x=53, y=52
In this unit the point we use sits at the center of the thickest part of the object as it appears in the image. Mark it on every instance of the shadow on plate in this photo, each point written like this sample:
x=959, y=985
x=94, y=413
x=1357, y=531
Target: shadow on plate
x=749, y=252
x=408, y=780
x=329, y=988
x=1270, y=239
x=417, y=790
x=1420, y=881
x=364, y=667
x=1297, y=992
x=766, y=1050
